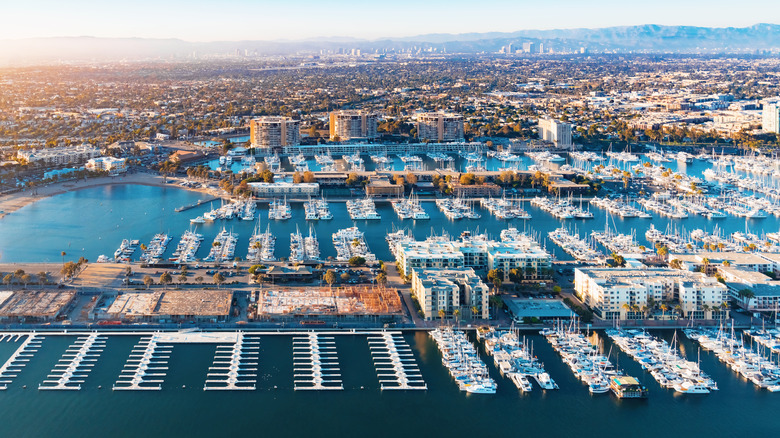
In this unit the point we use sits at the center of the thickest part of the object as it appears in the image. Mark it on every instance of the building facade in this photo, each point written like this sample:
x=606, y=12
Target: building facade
x=107, y=164
x=440, y=127
x=277, y=189
x=346, y=125
x=274, y=133
x=771, y=117
x=448, y=290
x=555, y=131
x=614, y=293
x=60, y=156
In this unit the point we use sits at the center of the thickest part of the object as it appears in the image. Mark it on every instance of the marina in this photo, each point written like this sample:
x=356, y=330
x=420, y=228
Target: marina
x=316, y=363
x=235, y=366
x=146, y=366
x=462, y=360
x=76, y=363
x=20, y=358
x=395, y=364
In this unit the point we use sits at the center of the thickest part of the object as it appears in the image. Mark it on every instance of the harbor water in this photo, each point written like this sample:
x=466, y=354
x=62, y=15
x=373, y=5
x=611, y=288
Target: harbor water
x=182, y=408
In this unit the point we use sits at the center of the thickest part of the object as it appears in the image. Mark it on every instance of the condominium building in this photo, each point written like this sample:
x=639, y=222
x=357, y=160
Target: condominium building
x=59, y=156
x=555, y=131
x=107, y=164
x=771, y=117
x=274, y=132
x=277, y=189
x=440, y=127
x=448, y=290
x=348, y=125
x=476, y=252
x=614, y=293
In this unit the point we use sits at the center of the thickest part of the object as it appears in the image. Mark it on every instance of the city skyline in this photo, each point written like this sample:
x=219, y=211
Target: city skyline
x=203, y=20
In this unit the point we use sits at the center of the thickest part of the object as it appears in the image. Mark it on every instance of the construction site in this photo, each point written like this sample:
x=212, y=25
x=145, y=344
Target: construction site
x=34, y=306
x=325, y=303
x=169, y=306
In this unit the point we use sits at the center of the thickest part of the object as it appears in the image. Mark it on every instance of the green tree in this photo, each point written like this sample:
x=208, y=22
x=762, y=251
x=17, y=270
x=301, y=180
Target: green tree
x=381, y=279
x=357, y=261
x=329, y=277
x=219, y=279
x=148, y=281
x=166, y=279
x=496, y=276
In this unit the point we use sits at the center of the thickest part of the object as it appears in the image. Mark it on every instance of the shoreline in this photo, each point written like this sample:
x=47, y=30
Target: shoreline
x=15, y=201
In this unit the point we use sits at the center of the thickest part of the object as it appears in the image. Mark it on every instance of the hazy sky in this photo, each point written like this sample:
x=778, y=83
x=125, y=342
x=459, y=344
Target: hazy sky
x=210, y=20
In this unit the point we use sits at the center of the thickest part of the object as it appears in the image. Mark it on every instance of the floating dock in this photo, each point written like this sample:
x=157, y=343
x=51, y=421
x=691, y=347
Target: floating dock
x=13, y=366
x=145, y=366
x=76, y=363
x=315, y=363
x=394, y=361
x=235, y=366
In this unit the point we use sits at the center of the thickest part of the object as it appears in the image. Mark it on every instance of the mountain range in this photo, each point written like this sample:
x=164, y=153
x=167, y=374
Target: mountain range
x=645, y=38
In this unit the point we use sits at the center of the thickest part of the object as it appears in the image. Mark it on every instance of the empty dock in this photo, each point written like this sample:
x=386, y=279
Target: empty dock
x=146, y=366
x=235, y=366
x=13, y=366
x=315, y=363
x=394, y=361
x=76, y=363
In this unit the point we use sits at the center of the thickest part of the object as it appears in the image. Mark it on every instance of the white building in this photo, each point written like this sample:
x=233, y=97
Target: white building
x=277, y=189
x=449, y=290
x=59, y=156
x=440, y=127
x=348, y=125
x=274, y=132
x=555, y=131
x=614, y=293
x=107, y=164
x=771, y=117
x=476, y=252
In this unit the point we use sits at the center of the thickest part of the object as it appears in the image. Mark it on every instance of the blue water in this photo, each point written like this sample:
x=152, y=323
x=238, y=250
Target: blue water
x=90, y=222
x=275, y=409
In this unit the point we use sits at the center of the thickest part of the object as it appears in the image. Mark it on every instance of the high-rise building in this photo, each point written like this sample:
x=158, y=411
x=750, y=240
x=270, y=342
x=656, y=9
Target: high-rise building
x=440, y=127
x=274, y=132
x=529, y=47
x=555, y=131
x=352, y=124
x=771, y=119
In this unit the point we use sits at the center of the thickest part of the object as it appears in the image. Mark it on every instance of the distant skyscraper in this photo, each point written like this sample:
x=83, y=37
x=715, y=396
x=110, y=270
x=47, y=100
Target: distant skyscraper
x=555, y=131
x=771, y=119
x=274, y=132
x=529, y=47
x=352, y=124
x=440, y=127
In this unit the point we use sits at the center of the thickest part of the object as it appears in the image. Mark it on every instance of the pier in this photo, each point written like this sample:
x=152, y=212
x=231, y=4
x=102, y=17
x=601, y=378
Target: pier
x=76, y=363
x=235, y=366
x=13, y=366
x=197, y=204
x=394, y=361
x=315, y=363
x=145, y=366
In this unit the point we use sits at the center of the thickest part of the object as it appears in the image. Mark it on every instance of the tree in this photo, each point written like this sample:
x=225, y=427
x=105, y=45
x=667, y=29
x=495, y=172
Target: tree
x=411, y=178
x=63, y=257
x=442, y=313
x=128, y=271
x=199, y=279
x=467, y=179
x=619, y=260
x=329, y=277
x=381, y=279
x=456, y=314
x=182, y=277
x=496, y=277
x=25, y=278
x=344, y=276
x=745, y=295
x=663, y=252
x=8, y=279
x=43, y=277
x=357, y=261
x=474, y=312
x=148, y=281
x=219, y=279
x=166, y=278
x=663, y=308
x=675, y=264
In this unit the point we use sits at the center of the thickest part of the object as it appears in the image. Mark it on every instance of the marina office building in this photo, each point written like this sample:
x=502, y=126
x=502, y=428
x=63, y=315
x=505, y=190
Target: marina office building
x=277, y=189
x=476, y=252
x=440, y=127
x=615, y=293
x=274, y=133
x=448, y=290
x=346, y=125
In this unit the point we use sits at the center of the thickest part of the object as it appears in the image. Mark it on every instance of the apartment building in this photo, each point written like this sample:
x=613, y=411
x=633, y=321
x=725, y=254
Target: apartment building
x=440, y=127
x=274, y=133
x=346, y=125
x=449, y=290
x=60, y=156
x=555, y=131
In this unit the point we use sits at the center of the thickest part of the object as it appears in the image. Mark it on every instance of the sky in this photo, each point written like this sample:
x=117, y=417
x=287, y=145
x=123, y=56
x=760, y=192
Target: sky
x=233, y=20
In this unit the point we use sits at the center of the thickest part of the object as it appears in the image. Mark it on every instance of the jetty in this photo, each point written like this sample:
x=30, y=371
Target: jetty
x=394, y=361
x=13, y=366
x=145, y=368
x=315, y=363
x=197, y=204
x=76, y=363
x=235, y=366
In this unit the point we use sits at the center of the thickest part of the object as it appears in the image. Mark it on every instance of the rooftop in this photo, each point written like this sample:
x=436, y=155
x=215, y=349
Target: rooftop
x=36, y=304
x=538, y=308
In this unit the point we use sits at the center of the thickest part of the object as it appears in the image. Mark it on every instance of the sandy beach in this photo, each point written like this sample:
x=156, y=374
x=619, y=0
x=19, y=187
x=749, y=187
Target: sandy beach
x=11, y=203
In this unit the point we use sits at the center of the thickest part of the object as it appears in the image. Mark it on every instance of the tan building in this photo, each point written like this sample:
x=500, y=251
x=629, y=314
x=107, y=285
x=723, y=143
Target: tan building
x=274, y=132
x=475, y=190
x=380, y=188
x=348, y=125
x=440, y=127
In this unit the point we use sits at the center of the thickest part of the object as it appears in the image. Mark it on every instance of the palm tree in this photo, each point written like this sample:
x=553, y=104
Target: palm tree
x=456, y=314
x=663, y=308
x=63, y=257
x=678, y=310
x=474, y=312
